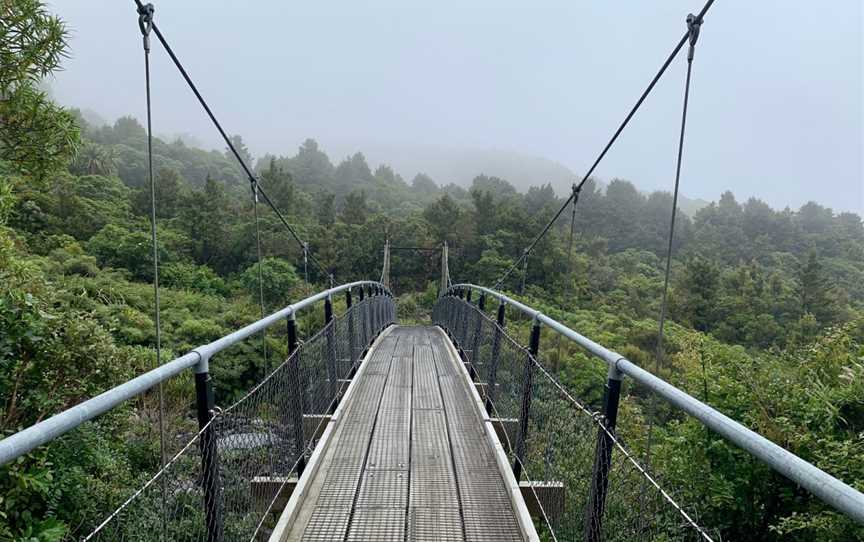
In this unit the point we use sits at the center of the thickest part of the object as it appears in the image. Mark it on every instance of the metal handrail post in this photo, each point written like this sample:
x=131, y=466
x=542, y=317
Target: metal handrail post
x=332, y=362
x=211, y=484
x=492, y=375
x=527, y=393
x=296, y=387
x=603, y=458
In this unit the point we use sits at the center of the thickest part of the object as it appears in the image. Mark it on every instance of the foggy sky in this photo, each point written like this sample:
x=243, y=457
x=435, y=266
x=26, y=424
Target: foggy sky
x=777, y=99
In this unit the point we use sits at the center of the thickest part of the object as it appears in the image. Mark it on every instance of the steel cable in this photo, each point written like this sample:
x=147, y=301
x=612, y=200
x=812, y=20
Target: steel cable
x=568, y=288
x=575, y=195
x=145, y=24
x=664, y=301
x=255, y=189
x=694, y=25
x=252, y=179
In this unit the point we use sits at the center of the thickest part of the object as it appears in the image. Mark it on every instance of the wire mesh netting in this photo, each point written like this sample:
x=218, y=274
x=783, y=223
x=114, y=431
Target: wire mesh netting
x=586, y=482
x=230, y=480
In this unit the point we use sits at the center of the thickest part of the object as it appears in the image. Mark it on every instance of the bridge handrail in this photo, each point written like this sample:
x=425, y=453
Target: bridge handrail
x=47, y=430
x=832, y=491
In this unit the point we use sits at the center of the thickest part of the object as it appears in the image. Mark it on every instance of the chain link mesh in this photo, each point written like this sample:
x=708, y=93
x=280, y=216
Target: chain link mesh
x=561, y=452
x=259, y=442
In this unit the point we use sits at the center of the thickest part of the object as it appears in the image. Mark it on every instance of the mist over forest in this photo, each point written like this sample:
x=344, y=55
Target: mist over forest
x=445, y=165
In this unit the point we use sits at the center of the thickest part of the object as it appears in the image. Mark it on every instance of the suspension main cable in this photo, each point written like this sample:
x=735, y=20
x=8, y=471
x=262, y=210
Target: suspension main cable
x=252, y=178
x=575, y=195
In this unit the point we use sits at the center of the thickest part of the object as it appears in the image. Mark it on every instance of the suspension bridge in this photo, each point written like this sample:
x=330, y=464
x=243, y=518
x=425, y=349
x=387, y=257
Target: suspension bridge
x=371, y=430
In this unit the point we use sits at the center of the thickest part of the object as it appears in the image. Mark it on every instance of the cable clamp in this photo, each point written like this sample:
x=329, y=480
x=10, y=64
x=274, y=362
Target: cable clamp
x=694, y=24
x=577, y=189
x=145, y=22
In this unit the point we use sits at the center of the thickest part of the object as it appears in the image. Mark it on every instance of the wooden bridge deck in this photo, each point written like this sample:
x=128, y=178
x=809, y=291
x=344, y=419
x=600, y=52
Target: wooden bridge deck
x=408, y=456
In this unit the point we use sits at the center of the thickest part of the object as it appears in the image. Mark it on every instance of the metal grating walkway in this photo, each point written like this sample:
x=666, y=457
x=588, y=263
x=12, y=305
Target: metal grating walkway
x=409, y=459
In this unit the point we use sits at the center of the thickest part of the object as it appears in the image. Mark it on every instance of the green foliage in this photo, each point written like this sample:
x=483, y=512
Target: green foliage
x=36, y=136
x=447, y=220
x=94, y=159
x=205, y=220
x=415, y=308
x=124, y=248
x=355, y=210
x=171, y=195
x=127, y=140
x=815, y=293
x=279, y=280
x=197, y=278
x=25, y=490
x=698, y=291
x=48, y=360
x=32, y=43
x=81, y=265
x=807, y=399
x=77, y=205
x=326, y=211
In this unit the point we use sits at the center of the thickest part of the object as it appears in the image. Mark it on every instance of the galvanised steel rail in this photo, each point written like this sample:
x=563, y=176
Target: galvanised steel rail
x=45, y=431
x=832, y=491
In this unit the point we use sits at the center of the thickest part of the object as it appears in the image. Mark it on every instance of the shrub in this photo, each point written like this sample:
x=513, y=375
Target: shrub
x=81, y=265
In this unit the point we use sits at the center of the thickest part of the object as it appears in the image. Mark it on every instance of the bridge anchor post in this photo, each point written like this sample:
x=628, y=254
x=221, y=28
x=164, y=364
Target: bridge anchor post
x=603, y=458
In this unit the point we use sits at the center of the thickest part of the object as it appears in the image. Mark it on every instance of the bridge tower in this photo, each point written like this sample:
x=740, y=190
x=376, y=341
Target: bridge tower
x=445, y=272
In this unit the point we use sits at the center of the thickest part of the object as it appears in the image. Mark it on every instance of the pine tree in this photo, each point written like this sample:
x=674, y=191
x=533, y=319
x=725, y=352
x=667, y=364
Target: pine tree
x=356, y=210
x=699, y=290
x=326, y=209
x=814, y=292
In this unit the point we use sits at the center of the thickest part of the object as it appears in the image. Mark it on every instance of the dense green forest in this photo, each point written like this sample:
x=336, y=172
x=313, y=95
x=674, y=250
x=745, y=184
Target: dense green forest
x=767, y=306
